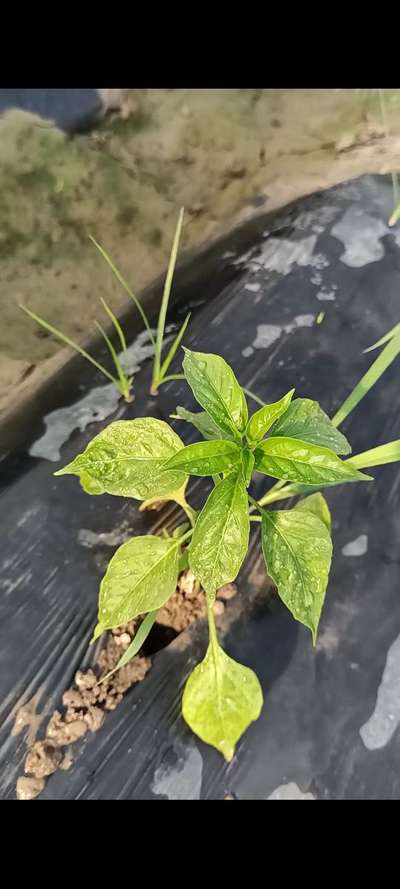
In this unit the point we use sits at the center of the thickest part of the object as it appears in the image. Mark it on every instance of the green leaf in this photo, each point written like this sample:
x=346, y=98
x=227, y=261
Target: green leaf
x=298, y=550
x=390, y=335
x=248, y=462
x=126, y=287
x=127, y=459
x=136, y=644
x=162, y=315
x=373, y=374
x=206, y=458
x=202, y=422
x=306, y=420
x=220, y=700
x=217, y=390
x=299, y=461
x=386, y=453
x=175, y=345
x=141, y=576
x=262, y=420
x=316, y=504
x=221, y=535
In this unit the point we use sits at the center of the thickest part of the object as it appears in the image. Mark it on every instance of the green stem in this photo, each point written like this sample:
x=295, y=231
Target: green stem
x=211, y=626
x=190, y=512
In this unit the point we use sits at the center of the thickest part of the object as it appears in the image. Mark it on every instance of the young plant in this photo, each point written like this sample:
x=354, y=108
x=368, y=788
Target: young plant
x=121, y=381
x=291, y=440
x=160, y=368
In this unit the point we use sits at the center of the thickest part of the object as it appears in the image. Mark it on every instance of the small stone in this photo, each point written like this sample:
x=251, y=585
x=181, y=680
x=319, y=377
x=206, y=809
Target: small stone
x=94, y=718
x=29, y=788
x=85, y=680
x=63, y=733
x=218, y=608
x=72, y=698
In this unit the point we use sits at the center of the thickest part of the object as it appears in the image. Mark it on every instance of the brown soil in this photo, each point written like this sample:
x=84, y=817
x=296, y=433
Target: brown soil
x=222, y=154
x=86, y=703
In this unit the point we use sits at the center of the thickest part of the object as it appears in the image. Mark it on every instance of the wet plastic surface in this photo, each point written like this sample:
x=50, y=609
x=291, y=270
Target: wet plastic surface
x=330, y=723
x=73, y=110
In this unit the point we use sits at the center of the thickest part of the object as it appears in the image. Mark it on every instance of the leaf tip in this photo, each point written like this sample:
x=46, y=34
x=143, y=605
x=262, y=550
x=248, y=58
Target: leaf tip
x=65, y=470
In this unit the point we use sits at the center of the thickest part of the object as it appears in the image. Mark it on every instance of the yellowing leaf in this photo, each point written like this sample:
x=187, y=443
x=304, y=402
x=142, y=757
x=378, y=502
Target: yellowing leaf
x=127, y=459
x=220, y=700
x=141, y=576
x=297, y=550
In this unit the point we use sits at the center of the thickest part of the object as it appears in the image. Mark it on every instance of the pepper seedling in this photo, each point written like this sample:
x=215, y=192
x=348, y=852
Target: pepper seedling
x=292, y=441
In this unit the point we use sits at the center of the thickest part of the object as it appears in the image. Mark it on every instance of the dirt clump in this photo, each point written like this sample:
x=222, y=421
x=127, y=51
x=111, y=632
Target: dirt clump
x=94, y=691
x=188, y=603
x=29, y=788
x=85, y=705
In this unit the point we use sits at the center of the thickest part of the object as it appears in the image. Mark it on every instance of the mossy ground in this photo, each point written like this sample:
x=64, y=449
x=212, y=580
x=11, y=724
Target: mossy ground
x=208, y=150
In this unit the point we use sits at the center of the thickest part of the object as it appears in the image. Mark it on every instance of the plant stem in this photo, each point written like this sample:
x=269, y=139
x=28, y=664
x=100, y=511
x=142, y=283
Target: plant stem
x=190, y=512
x=211, y=625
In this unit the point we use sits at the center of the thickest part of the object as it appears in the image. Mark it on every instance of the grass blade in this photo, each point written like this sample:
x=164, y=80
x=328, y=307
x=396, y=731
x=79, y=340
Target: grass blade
x=124, y=384
x=386, y=453
x=395, y=215
x=254, y=397
x=384, y=339
x=171, y=377
x=65, y=339
x=126, y=287
x=135, y=645
x=116, y=323
x=165, y=300
x=174, y=347
x=373, y=374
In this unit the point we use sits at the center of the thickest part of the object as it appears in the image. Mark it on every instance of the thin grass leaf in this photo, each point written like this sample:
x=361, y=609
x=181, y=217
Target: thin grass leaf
x=254, y=397
x=384, y=339
x=116, y=323
x=373, y=374
x=170, y=378
x=126, y=287
x=174, y=347
x=65, y=339
x=135, y=645
x=124, y=385
x=386, y=453
x=395, y=215
x=165, y=300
